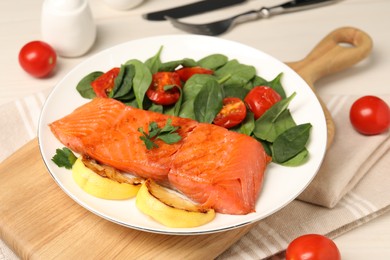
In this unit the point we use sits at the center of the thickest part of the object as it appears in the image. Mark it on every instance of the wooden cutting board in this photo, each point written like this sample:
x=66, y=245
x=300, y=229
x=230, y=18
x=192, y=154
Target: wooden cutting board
x=38, y=220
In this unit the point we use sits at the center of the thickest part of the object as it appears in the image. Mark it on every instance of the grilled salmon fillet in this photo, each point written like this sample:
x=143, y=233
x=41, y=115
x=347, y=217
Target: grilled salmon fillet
x=215, y=167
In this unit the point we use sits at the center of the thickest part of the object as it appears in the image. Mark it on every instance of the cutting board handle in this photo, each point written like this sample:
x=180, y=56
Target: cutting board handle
x=339, y=50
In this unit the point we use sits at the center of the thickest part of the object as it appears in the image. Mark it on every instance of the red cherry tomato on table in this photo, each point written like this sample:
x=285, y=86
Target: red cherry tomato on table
x=232, y=113
x=312, y=247
x=37, y=58
x=105, y=82
x=158, y=92
x=187, y=72
x=370, y=115
x=260, y=99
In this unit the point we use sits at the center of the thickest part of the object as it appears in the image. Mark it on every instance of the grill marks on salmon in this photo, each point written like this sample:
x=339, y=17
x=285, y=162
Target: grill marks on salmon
x=220, y=169
x=215, y=167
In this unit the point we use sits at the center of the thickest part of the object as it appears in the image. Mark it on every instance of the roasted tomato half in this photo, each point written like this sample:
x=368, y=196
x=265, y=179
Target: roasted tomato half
x=105, y=83
x=232, y=113
x=164, y=89
x=187, y=72
x=260, y=99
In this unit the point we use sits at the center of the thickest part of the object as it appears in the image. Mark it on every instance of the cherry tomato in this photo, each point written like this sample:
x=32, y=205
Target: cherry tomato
x=232, y=113
x=37, y=58
x=370, y=115
x=260, y=99
x=158, y=92
x=187, y=72
x=105, y=83
x=312, y=247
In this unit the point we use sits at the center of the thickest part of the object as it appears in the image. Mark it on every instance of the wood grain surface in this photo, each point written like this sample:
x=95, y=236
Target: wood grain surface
x=38, y=220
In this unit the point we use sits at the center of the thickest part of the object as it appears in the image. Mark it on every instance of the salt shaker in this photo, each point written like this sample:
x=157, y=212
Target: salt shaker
x=68, y=26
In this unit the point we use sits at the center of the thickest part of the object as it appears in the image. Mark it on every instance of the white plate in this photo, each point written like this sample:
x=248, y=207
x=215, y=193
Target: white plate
x=281, y=185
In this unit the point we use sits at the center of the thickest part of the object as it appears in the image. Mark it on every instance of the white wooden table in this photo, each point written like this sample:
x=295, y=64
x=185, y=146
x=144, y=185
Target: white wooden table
x=286, y=37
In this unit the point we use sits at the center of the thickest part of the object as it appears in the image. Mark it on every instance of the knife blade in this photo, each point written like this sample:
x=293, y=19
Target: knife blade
x=191, y=9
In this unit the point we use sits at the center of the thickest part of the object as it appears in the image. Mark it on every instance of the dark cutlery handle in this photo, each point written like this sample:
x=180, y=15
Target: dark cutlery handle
x=303, y=4
x=191, y=9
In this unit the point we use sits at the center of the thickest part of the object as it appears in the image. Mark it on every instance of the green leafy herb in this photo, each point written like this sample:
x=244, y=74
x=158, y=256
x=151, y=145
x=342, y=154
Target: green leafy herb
x=84, y=86
x=291, y=142
x=269, y=125
x=172, y=65
x=64, y=158
x=240, y=73
x=141, y=81
x=154, y=63
x=208, y=102
x=274, y=84
x=213, y=61
x=156, y=108
x=277, y=85
x=123, y=83
x=247, y=126
x=189, y=93
x=235, y=91
x=175, y=109
x=167, y=134
x=298, y=159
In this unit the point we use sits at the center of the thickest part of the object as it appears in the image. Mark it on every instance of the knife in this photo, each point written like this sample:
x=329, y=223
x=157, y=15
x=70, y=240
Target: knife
x=191, y=9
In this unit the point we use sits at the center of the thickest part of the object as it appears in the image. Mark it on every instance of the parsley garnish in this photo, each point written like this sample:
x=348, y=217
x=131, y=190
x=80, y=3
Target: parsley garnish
x=167, y=134
x=64, y=158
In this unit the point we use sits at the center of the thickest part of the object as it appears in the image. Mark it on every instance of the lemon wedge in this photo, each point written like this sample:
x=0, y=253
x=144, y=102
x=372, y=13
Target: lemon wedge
x=103, y=187
x=170, y=209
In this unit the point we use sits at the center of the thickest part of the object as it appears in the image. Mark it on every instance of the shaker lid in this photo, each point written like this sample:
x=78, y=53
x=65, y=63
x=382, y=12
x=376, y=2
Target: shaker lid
x=63, y=5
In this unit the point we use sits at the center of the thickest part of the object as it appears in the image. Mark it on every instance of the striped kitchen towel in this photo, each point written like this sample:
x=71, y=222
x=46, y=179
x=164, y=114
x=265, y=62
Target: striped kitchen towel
x=350, y=189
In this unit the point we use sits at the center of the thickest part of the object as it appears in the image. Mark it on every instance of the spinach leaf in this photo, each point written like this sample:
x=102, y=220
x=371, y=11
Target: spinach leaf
x=213, y=61
x=132, y=103
x=247, y=126
x=208, y=102
x=235, y=91
x=269, y=125
x=123, y=83
x=154, y=63
x=156, y=108
x=194, y=84
x=240, y=74
x=298, y=159
x=291, y=142
x=175, y=109
x=187, y=109
x=189, y=92
x=259, y=81
x=267, y=146
x=141, y=81
x=275, y=84
x=172, y=65
x=84, y=86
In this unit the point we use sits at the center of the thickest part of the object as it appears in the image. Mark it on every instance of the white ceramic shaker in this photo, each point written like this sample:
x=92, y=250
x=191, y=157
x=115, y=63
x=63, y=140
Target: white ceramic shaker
x=68, y=26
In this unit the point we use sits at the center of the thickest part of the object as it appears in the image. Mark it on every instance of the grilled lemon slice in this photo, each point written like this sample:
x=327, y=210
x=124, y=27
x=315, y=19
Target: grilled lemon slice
x=106, y=186
x=170, y=209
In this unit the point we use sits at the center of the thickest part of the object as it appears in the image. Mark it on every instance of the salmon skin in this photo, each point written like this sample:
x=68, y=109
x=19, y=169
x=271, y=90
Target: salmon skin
x=211, y=165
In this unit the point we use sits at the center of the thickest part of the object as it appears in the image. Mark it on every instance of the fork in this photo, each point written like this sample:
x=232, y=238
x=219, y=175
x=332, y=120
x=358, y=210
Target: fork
x=222, y=26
